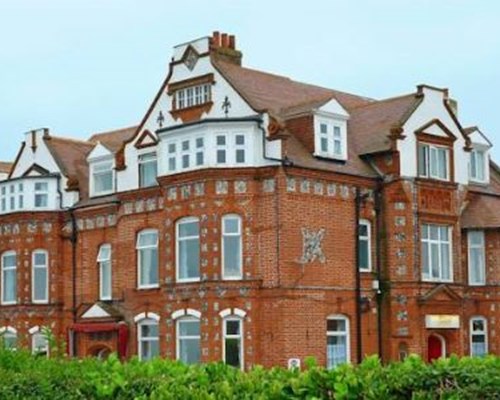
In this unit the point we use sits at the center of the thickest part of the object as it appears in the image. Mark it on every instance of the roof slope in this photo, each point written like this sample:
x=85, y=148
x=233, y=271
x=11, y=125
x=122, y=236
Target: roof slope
x=113, y=140
x=483, y=211
x=5, y=167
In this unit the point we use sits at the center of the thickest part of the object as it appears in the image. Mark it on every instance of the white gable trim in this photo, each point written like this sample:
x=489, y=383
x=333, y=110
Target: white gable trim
x=96, y=311
x=99, y=152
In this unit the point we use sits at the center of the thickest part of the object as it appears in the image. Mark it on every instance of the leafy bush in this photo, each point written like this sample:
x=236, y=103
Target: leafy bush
x=23, y=376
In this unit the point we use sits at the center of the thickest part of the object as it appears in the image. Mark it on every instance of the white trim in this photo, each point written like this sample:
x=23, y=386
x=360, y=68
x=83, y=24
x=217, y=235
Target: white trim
x=178, y=314
x=179, y=222
x=238, y=234
x=241, y=338
x=481, y=247
x=239, y=312
x=224, y=313
x=8, y=329
x=2, y=283
x=46, y=266
x=485, y=332
x=146, y=315
x=193, y=313
x=139, y=258
x=367, y=238
x=140, y=317
x=34, y=329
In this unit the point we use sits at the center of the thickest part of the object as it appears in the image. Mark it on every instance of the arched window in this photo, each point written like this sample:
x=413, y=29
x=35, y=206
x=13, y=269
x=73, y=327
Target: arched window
x=337, y=341
x=188, y=249
x=9, y=277
x=147, y=258
x=8, y=337
x=40, y=277
x=188, y=340
x=231, y=247
x=105, y=272
x=148, y=338
x=478, y=332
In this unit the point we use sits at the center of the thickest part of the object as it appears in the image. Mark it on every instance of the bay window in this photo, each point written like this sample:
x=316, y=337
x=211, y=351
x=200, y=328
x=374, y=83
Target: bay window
x=9, y=278
x=337, y=341
x=188, y=249
x=231, y=247
x=433, y=161
x=40, y=277
x=477, y=265
x=105, y=272
x=148, y=340
x=478, y=336
x=188, y=340
x=436, y=253
x=147, y=258
x=148, y=169
x=233, y=342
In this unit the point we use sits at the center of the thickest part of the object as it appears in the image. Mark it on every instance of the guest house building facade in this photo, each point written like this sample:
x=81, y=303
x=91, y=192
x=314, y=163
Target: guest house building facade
x=254, y=219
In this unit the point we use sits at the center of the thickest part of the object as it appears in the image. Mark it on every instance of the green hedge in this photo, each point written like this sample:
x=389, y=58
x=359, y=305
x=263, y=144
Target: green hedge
x=25, y=377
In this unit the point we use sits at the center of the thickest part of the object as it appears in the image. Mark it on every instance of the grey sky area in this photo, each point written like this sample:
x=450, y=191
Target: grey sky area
x=79, y=67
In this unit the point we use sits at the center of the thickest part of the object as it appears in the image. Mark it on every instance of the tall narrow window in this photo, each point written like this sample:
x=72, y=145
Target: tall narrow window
x=39, y=344
x=199, y=156
x=337, y=341
x=148, y=169
x=185, y=154
x=147, y=257
x=221, y=152
x=172, y=155
x=102, y=174
x=40, y=277
x=364, y=246
x=233, y=341
x=231, y=247
x=337, y=140
x=41, y=194
x=478, y=336
x=188, y=340
x=433, y=162
x=188, y=249
x=105, y=272
x=20, y=197
x=3, y=198
x=148, y=339
x=477, y=165
x=477, y=267
x=8, y=337
x=9, y=277
x=436, y=253
x=239, y=145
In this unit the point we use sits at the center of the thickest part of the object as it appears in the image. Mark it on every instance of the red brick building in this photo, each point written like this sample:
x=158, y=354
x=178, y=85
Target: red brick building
x=254, y=219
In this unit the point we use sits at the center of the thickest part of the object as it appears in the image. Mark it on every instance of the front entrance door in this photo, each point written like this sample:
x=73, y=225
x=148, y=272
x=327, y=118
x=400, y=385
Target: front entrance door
x=436, y=347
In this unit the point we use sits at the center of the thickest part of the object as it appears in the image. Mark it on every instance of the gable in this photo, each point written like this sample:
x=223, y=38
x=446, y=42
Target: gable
x=36, y=170
x=440, y=294
x=146, y=139
x=478, y=138
x=99, y=151
x=96, y=311
x=435, y=128
x=333, y=108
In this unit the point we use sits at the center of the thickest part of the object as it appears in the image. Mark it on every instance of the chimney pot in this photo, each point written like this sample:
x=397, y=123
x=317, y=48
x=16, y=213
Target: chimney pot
x=232, y=42
x=224, y=41
x=216, y=39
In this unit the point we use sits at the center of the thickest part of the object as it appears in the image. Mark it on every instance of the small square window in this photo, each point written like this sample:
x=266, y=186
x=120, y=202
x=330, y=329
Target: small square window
x=323, y=128
x=240, y=139
x=221, y=140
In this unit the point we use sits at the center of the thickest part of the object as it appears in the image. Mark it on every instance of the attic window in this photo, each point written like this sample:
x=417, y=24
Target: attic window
x=331, y=140
x=192, y=96
x=102, y=178
x=477, y=166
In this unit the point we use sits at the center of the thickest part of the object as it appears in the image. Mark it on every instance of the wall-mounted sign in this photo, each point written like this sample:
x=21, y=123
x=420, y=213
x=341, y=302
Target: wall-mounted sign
x=442, y=321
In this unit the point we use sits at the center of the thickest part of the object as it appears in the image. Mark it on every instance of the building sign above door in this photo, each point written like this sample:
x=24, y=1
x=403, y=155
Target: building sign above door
x=442, y=321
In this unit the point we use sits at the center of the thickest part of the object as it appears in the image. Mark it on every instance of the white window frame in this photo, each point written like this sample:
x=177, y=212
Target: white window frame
x=482, y=248
x=367, y=238
x=40, y=192
x=178, y=239
x=141, y=339
x=225, y=235
x=3, y=284
x=102, y=260
x=180, y=338
x=428, y=161
x=40, y=349
x=192, y=96
x=483, y=166
x=34, y=267
x=346, y=334
x=240, y=337
x=139, y=259
x=147, y=159
x=429, y=242
x=332, y=126
x=96, y=165
x=3, y=198
x=483, y=333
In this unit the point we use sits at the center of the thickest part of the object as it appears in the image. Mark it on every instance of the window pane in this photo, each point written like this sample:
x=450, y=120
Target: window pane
x=103, y=182
x=10, y=285
x=478, y=325
x=445, y=261
x=336, y=325
x=240, y=156
x=40, y=258
x=185, y=145
x=9, y=340
x=40, y=283
x=221, y=156
x=231, y=225
x=189, y=351
x=232, y=256
x=147, y=174
x=149, y=330
x=221, y=140
x=189, y=253
x=480, y=165
x=232, y=327
x=422, y=160
x=233, y=352
x=336, y=351
x=171, y=148
x=188, y=229
x=41, y=200
x=189, y=328
x=41, y=186
x=240, y=140
x=425, y=260
x=442, y=166
x=199, y=158
x=363, y=254
x=105, y=280
x=149, y=266
x=185, y=161
x=435, y=260
x=199, y=143
x=171, y=164
x=324, y=145
x=323, y=128
x=147, y=239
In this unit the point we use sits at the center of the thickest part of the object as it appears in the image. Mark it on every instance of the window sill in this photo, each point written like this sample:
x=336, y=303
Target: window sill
x=482, y=284
x=190, y=280
x=8, y=303
x=436, y=280
x=40, y=302
x=148, y=287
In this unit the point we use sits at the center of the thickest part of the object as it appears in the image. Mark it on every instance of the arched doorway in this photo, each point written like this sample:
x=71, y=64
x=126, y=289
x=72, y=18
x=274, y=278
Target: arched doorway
x=436, y=347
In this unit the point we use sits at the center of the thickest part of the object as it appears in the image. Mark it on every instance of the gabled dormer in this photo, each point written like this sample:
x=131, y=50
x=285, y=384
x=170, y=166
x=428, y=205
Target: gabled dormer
x=330, y=131
x=101, y=162
x=479, y=171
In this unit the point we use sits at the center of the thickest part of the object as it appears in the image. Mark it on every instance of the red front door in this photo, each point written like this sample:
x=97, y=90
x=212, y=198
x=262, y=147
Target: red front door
x=435, y=347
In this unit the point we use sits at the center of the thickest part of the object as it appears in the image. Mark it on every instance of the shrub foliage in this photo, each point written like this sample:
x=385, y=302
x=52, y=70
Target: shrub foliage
x=23, y=376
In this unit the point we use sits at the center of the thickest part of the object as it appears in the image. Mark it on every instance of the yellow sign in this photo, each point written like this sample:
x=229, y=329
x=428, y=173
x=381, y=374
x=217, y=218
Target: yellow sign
x=442, y=321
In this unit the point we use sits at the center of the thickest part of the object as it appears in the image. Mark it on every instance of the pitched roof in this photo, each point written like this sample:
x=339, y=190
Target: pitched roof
x=70, y=155
x=113, y=140
x=483, y=211
x=5, y=167
x=370, y=125
x=278, y=94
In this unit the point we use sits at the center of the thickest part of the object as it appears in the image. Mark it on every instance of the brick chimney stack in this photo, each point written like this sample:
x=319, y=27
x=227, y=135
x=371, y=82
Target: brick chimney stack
x=223, y=47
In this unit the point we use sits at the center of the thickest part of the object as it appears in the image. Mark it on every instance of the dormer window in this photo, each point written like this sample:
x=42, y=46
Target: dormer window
x=102, y=178
x=148, y=169
x=192, y=96
x=331, y=140
x=433, y=162
x=477, y=166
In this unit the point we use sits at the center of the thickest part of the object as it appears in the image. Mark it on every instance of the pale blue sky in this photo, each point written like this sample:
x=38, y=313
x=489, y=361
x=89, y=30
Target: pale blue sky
x=79, y=67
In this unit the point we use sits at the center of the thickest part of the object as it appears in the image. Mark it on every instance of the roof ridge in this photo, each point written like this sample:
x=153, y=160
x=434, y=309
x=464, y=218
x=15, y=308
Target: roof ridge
x=67, y=139
x=113, y=131
x=386, y=100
